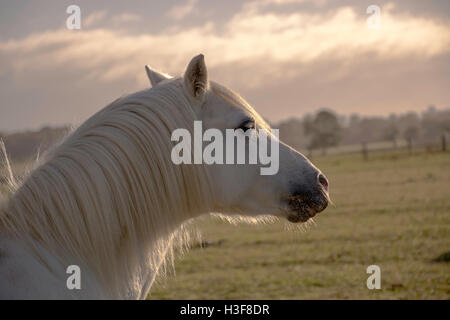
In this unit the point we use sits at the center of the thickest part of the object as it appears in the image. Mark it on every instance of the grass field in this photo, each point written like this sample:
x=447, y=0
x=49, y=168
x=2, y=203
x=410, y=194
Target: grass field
x=392, y=211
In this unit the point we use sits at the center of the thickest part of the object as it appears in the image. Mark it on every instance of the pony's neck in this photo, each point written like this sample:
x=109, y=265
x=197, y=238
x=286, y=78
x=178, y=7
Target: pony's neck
x=110, y=198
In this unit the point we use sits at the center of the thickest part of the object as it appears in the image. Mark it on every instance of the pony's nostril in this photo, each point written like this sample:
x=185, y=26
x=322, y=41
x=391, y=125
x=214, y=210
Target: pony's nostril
x=323, y=181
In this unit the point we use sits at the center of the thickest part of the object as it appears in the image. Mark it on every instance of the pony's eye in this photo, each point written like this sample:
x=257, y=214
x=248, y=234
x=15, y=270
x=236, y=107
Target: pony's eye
x=247, y=124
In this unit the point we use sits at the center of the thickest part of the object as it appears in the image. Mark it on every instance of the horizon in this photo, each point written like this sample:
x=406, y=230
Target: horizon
x=287, y=58
x=343, y=119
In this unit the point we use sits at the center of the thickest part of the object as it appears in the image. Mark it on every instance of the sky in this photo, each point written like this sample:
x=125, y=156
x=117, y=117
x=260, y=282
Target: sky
x=287, y=58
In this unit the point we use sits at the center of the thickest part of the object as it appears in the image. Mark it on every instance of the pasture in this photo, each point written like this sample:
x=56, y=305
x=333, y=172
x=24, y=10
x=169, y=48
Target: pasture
x=392, y=211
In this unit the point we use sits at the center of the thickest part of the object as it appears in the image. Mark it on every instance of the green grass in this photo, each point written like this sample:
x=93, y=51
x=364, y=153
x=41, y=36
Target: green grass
x=392, y=211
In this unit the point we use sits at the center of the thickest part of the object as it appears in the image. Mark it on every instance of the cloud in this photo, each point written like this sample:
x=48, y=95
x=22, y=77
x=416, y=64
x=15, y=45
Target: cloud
x=126, y=17
x=250, y=50
x=260, y=4
x=250, y=38
x=94, y=18
x=179, y=11
x=99, y=18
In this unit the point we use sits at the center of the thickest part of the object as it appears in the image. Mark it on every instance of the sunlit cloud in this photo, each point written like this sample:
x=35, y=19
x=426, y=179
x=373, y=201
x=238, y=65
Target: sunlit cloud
x=251, y=48
x=250, y=37
x=99, y=17
x=94, y=18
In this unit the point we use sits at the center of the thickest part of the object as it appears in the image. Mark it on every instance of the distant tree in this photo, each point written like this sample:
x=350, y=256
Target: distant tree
x=308, y=130
x=324, y=129
x=411, y=133
x=391, y=130
x=391, y=134
x=292, y=133
x=354, y=120
x=434, y=124
x=445, y=124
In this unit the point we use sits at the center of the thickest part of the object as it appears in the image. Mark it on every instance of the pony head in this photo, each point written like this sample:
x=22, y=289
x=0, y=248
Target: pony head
x=295, y=190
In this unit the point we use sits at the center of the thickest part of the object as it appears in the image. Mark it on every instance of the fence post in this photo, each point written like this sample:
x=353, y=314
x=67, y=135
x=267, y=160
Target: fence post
x=365, y=152
x=444, y=142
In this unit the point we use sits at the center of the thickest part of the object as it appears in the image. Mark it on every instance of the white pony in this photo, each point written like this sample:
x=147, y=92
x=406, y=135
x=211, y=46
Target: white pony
x=109, y=200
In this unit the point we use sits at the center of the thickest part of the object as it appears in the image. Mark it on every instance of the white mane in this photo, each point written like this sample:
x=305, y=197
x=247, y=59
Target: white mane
x=109, y=192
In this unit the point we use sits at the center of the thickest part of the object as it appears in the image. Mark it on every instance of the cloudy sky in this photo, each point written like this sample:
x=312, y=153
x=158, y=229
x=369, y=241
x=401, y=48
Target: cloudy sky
x=286, y=57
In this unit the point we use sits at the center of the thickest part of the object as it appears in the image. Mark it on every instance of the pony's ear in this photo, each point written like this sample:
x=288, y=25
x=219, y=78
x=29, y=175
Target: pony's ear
x=155, y=77
x=196, y=78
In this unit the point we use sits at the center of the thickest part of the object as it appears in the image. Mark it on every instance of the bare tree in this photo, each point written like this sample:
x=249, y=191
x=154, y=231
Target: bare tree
x=324, y=129
x=411, y=133
x=391, y=131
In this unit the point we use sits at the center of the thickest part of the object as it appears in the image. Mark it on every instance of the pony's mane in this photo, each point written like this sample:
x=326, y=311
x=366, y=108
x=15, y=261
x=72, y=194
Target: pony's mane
x=110, y=190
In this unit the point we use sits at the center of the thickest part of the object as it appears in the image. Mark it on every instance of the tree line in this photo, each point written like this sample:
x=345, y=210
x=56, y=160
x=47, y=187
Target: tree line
x=326, y=129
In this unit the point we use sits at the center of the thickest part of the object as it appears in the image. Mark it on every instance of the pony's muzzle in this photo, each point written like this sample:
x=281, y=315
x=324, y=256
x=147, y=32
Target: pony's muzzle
x=305, y=203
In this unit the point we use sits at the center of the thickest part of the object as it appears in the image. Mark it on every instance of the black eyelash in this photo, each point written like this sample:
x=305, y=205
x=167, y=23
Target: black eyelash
x=247, y=125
